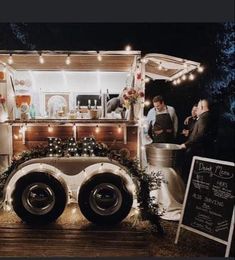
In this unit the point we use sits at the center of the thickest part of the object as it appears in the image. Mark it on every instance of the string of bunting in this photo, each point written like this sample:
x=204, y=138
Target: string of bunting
x=87, y=146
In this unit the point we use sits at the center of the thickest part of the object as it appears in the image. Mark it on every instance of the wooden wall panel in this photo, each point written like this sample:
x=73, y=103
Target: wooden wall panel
x=110, y=135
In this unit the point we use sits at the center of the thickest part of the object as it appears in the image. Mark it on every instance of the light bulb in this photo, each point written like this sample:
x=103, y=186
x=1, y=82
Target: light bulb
x=128, y=48
x=50, y=129
x=119, y=129
x=68, y=60
x=200, y=69
x=183, y=77
x=160, y=66
x=147, y=103
x=146, y=80
x=144, y=60
x=41, y=59
x=97, y=129
x=191, y=77
x=174, y=82
x=178, y=81
x=10, y=59
x=99, y=57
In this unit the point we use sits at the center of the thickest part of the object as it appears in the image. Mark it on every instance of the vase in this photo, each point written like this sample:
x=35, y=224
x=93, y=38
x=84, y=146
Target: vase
x=137, y=111
x=3, y=114
x=131, y=115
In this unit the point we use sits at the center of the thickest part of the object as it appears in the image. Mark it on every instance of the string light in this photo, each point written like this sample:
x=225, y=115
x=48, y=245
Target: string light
x=146, y=80
x=99, y=57
x=178, y=81
x=10, y=59
x=174, y=82
x=128, y=48
x=191, y=77
x=147, y=103
x=97, y=129
x=50, y=129
x=200, y=69
x=41, y=59
x=119, y=129
x=68, y=60
x=144, y=60
x=184, y=77
x=160, y=66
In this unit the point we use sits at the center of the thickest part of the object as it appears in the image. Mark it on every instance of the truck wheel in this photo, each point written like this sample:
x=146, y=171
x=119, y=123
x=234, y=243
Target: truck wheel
x=104, y=199
x=39, y=198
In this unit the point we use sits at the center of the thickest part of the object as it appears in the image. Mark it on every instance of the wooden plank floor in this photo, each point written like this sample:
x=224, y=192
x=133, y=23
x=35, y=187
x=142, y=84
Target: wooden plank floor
x=69, y=239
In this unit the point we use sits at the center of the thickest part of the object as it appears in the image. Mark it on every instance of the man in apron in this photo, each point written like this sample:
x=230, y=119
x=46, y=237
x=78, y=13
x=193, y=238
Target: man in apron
x=163, y=121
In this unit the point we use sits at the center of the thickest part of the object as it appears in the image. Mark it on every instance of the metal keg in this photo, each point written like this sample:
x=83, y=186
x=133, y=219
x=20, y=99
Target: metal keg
x=163, y=154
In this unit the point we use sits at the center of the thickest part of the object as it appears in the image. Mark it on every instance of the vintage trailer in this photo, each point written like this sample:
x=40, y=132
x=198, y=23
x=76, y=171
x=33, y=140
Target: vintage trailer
x=62, y=95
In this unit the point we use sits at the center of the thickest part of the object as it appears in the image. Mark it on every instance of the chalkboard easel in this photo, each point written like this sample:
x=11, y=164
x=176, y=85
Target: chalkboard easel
x=208, y=207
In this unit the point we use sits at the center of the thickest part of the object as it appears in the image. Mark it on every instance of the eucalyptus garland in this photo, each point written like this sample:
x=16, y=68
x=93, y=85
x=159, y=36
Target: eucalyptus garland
x=87, y=146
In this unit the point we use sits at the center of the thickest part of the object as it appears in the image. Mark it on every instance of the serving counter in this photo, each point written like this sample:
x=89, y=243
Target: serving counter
x=18, y=136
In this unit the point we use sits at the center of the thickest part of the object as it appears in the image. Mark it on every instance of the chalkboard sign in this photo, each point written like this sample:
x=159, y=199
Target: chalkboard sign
x=209, y=200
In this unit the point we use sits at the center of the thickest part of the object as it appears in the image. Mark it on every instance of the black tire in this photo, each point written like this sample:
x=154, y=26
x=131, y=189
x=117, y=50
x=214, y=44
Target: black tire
x=104, y=199
x=39, y=198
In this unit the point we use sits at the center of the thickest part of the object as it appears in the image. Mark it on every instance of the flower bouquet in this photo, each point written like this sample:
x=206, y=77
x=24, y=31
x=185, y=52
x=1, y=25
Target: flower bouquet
x=133, y=96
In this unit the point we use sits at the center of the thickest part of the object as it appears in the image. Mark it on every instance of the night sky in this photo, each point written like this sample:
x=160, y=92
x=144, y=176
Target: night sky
x=210, y=44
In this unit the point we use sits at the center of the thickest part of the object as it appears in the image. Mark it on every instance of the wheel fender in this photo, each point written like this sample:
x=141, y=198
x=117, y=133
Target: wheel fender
x=36, y=167
x=100, y=168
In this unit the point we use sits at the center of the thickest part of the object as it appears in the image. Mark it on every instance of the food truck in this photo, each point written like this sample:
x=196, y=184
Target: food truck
x=48, y=97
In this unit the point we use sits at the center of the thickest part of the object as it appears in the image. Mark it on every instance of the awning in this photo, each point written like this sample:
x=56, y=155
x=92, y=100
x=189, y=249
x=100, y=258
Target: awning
x=165, y=67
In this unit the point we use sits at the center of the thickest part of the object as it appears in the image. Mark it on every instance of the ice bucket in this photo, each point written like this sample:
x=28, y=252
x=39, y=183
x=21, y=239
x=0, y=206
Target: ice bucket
x=163, y=154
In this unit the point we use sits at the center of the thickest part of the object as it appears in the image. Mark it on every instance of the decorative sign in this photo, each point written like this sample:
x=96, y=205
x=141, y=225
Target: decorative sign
x=208, y=207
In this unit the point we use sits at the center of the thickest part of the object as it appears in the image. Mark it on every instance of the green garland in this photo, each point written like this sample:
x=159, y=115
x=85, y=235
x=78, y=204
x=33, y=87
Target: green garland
x=149, y=210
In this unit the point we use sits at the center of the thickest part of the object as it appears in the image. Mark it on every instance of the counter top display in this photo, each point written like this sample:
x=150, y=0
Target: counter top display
x=72, y=121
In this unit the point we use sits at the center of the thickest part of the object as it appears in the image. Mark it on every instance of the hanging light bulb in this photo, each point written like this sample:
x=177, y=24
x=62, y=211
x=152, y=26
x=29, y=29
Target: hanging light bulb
x=174, y=82
x=183, y=77
x=68, y=60
x=191, y=77
x=10, y=59
x=119, y=129
x=50, y=129
x=74, y=127
x=146, y=80
x=144, y=60
x=178, y=81
x=160, y=66
x=200, y=69
x=99, y=57
x=147, y=103
x=97, y=129
x=41, y=59
x=128, y=48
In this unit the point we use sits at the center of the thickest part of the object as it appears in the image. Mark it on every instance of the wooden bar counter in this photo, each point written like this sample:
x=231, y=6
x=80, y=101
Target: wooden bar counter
x=115, y=133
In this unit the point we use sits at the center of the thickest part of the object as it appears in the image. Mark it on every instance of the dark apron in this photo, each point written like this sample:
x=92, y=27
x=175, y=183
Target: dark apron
x=163, y=122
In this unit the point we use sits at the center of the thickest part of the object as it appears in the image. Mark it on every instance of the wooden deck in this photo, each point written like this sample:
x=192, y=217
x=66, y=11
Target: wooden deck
x=65, y=238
